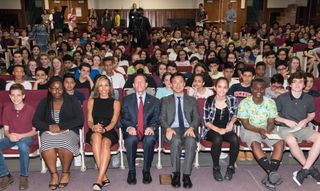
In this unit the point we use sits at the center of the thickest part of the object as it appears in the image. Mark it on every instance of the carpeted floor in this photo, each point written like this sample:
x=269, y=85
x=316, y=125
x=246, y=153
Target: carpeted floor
x=247, y=178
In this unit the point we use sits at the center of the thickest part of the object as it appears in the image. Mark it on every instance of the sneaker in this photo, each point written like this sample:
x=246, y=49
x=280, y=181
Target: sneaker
x=299, y=176
x=275, y=178
x=77, y=160
x=314, y=172
x=217, y=174
x=24, y=183
x=229, y=173
x=265, y=181
x=223, y=155
x=6, y=181
x=241, y=156
x=249, y=156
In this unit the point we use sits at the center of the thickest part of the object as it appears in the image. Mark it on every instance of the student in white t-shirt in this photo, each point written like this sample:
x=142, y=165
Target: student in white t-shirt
x=19, y=73
x=198, y=90
x=116, y=79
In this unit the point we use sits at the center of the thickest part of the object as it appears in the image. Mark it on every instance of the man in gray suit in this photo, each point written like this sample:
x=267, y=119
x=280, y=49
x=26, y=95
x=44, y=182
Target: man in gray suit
x=180, y=119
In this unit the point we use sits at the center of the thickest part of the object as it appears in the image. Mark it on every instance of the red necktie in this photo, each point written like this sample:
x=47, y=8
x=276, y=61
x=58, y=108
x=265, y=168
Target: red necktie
x=140, y=119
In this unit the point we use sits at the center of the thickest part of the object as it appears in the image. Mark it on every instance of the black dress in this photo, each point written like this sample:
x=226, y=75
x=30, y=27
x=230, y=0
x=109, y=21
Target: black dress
x=102, y=112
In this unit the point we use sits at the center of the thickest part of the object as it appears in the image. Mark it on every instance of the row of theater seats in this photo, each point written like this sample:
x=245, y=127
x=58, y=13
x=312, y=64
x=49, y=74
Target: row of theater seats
x=33, y=97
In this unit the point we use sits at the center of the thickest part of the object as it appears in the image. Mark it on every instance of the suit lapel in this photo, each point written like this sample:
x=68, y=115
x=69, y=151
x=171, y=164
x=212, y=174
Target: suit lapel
x=135, y=105
x=172, y=106
x=146, y=104
x=186, y=106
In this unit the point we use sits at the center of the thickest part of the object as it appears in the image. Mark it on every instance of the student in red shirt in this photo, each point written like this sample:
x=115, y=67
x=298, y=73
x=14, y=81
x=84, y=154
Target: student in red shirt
x=18, y=131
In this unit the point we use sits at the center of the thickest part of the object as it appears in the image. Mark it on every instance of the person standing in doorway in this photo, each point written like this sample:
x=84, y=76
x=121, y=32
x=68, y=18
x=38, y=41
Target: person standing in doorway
x=202, y=15
x=230, y=17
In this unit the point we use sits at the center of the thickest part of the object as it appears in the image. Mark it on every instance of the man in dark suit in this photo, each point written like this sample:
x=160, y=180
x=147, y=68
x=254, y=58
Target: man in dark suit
x=180, y=119
x=140, y=121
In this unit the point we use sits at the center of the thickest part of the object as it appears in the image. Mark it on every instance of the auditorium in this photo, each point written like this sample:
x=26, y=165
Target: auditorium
x=161, y=95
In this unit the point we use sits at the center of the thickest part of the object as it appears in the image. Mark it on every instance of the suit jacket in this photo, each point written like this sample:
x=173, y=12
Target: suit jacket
x=129, y=113
x=191, y=113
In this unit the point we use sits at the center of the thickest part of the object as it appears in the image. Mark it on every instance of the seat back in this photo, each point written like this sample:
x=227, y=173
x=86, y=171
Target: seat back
x=200, y=103
x=85, y=92
x=316, y=84
x=184, y=69
x=298, y=47
x=85, y=124
x=119, y=94
x=7, y=77
x=279, y=41
x=3, y=99
x=317, y=109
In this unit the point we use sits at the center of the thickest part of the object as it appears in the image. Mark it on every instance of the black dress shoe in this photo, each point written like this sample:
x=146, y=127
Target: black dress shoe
x=176, y=180
x=132, y=178
x=217, y=174
x=146, y=178
x=187, y=181
x=229, y=173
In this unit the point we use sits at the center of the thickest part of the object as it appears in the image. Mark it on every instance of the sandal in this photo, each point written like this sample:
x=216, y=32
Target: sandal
x=53, y=186
x=106, y=182
x=64, y=184
x=96, y=187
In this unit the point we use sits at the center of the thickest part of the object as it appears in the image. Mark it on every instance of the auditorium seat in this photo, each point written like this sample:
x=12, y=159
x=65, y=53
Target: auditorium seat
x=316, y=84
x=298, y=47
x=280, y=41
x=184, y=69
x=85, y=92
x=7, y=77
x=317, y=107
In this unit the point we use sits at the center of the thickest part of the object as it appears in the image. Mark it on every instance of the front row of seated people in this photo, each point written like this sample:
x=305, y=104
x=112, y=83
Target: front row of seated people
x=59, y=117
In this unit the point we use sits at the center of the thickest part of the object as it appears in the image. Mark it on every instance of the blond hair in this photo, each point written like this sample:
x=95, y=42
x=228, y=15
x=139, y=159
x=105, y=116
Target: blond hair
x=96, y=93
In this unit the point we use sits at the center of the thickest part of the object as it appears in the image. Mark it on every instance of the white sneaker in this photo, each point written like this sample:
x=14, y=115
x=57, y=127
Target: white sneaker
x=77, y=161
x=223, y=155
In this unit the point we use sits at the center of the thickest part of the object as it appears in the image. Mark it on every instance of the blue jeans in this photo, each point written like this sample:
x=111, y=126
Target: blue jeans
x=24, y=146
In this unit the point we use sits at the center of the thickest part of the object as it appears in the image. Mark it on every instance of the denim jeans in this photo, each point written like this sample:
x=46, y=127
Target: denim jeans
x=23, y=146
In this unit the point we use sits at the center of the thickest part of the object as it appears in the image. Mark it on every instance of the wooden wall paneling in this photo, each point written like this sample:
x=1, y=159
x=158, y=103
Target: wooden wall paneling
x=158, y=17
x=217, y=9
x=74, y=4
x=242, y=16
x=213, y=10
x=23, y=18
x=7, y=14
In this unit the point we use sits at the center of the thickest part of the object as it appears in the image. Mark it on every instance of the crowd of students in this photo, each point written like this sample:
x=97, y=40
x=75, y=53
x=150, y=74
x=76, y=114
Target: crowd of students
x=239, y=83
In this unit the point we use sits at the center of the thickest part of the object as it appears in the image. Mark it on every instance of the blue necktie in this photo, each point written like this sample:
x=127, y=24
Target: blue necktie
x=180, y=118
